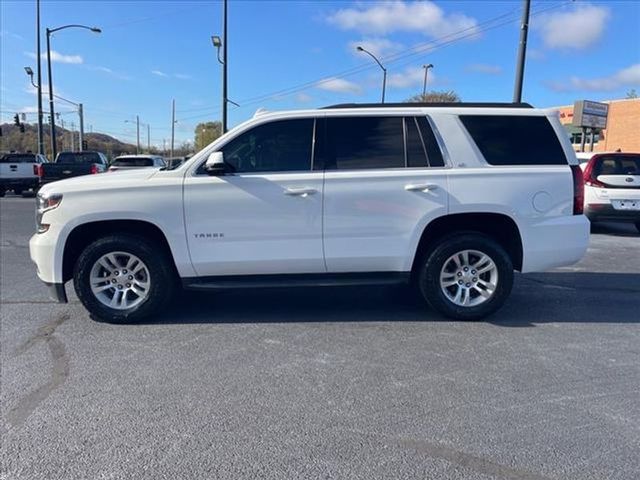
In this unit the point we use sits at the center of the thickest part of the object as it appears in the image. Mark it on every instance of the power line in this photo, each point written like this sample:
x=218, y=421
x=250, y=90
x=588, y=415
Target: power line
x=409, y=53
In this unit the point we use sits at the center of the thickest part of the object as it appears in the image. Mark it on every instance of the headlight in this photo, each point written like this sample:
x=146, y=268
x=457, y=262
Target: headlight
x=44, y=203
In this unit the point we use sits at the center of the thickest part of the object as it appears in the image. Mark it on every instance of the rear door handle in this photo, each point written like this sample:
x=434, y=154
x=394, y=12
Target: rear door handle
x=420, y=187
x=300, y=192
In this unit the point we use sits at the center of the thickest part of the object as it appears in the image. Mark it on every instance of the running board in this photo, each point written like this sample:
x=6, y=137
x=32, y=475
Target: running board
x=295, y=280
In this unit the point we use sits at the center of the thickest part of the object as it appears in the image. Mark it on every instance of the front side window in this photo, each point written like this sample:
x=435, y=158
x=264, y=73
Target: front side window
x=351, y=143
x=280, y=146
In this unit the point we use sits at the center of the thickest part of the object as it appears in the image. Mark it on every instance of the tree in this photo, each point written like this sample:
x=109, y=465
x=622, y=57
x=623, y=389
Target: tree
x=632, y=93
x=435, y=96
x=205, y=133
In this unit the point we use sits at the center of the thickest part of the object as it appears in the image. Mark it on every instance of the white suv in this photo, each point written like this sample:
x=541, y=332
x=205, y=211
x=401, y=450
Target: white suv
x=442, y=196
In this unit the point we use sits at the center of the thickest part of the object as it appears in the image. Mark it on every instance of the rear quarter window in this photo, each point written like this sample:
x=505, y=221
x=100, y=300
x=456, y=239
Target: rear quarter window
x=515, y=140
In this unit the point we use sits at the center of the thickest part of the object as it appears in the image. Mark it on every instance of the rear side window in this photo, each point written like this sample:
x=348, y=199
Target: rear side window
x=133, y=162
x=352, y=143
x=617, y=165
x=70, y=157
x=18, y=158
x=515, y=140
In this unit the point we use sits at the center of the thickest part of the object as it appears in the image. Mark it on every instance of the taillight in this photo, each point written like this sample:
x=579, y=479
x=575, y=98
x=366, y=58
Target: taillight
x=35, y=169
x=578, y=190
x=38, y=170
x=589, y=177
x=94, y=169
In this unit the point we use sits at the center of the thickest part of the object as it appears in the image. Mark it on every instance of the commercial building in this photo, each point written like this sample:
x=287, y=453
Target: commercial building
x=622, y=132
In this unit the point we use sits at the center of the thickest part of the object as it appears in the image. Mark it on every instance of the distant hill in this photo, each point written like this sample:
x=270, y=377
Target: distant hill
x=13, y=140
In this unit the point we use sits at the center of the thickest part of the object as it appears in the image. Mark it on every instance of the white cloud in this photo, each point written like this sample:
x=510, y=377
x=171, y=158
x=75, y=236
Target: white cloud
x=8, y=34
x=411, y=77
x=627, y=77
x=378, y=46
x=182, y=76
x=303, y=98
x=159, y=73
x=535, y=54
x=575, y=29
x=397, y=15
x=339, y=85
x=58, y=57
x=484, y=68
x=108, y=71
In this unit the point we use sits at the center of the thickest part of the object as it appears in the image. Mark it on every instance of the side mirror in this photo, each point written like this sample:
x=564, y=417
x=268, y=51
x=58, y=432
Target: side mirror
x=215, y=164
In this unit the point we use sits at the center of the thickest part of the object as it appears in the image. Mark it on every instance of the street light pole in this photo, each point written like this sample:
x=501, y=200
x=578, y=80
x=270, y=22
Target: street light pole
x=384, y=70
x=522, y=50
x=426, y=71
x=138, y=134
x=39, y=87
x=173, y=124
x=51, y=109
x=148, y=138
x=225, y=41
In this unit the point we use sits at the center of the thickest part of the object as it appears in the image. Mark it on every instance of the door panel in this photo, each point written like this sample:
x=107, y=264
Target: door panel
x=373, y=216
x=255, y=223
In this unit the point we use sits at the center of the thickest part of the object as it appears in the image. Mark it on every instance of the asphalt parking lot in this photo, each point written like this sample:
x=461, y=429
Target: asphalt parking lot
x=326, y=383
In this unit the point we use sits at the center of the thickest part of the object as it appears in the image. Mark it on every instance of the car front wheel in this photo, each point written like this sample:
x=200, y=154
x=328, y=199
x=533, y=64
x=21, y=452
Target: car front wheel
x=123, y=278
x=466, y=276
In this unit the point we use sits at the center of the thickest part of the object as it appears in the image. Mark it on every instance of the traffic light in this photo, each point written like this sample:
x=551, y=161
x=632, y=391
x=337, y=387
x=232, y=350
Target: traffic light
x=85, y=145
x=16, y=120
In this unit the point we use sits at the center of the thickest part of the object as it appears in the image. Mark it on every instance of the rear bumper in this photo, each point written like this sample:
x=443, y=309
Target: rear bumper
x=28, y=182
x=606, y=212
x=554, y=243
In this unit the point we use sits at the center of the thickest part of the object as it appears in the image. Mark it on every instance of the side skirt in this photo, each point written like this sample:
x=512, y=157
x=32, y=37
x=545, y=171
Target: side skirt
x=295, y=280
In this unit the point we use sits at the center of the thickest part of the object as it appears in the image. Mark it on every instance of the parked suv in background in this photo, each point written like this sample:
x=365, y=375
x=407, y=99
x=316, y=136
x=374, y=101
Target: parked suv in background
x=130, y=162
x=19, y=172
x=612, y=187
x=442, y=196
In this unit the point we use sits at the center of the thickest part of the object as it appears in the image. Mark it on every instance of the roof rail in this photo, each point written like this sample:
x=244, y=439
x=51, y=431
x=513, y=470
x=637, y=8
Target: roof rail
x=431, y=105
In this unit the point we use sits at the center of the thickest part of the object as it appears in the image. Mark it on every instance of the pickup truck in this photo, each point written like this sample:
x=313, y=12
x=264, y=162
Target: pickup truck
x=19, y=172
x=73, y=164
x=439, y=196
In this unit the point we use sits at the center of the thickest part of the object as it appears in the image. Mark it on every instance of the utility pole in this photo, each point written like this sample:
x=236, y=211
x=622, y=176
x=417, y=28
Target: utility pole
x=173, y=124
x=522, y=50
x=39, y=88
x=81, y=135
x=148, y=138
x=73, y=137
x=138, y=134
x=225, y=42
x=54, y=148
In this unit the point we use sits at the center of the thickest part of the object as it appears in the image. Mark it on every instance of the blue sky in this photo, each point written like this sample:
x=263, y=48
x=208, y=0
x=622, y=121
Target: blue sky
x=301, y=54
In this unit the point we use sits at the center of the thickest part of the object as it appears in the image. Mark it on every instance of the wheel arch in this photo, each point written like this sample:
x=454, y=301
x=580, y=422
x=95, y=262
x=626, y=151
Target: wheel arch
x=83, y=234
x=500, y=227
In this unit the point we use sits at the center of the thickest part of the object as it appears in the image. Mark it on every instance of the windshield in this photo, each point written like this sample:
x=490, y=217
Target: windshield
x=84, y=157
x=132, y=162
x=18, y=158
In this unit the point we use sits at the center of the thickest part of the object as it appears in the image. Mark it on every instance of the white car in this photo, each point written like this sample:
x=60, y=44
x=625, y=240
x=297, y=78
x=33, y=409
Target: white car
x=20, y=172
x=442, y=196
x=612, y=187
x=130, y=162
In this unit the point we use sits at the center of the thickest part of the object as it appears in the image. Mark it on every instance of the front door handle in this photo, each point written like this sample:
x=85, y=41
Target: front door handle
x=300, y=192
x=420, y=187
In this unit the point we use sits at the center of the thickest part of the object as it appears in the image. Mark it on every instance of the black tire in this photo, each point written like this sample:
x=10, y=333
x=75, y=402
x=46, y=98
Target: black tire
x=2, y=192
x=17, y=191
x=638, y=226
x=434, y=261
x=162, y=277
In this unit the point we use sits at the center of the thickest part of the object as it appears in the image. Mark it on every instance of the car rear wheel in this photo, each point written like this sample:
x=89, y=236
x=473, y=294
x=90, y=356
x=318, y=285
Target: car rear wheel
x=466, y=276
x=17, y=191
x=123, y=278
x=638, y=226
x=2, y=192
